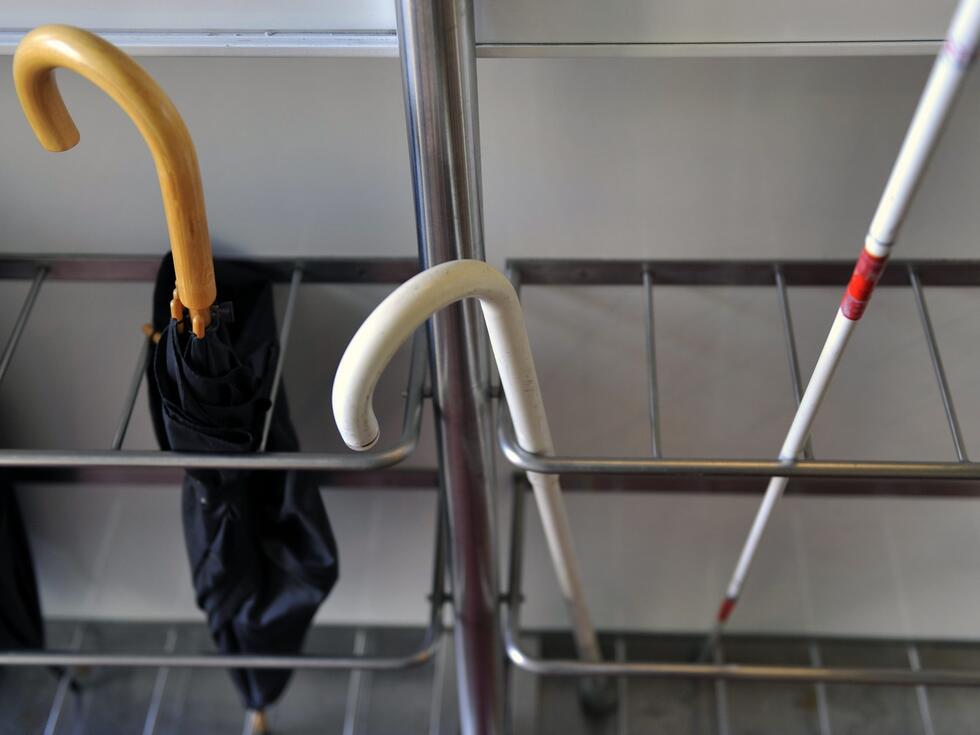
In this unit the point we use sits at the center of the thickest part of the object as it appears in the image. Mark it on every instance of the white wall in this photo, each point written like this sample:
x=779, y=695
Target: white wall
x=586, y=157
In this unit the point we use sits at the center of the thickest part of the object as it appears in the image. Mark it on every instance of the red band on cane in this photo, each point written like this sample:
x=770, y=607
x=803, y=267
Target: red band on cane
x=863, y=281
x=727, y=605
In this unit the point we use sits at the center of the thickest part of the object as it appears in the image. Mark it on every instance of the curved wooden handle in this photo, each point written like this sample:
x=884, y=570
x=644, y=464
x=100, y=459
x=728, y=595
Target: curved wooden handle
x=43, y=50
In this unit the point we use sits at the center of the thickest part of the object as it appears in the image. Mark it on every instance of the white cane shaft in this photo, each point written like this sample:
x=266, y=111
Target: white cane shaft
x=558, y=533
x=827, y=363
x=917, y=149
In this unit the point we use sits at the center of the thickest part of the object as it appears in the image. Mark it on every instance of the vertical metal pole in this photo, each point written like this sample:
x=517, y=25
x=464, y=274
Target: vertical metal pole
x=622, y=684
x=159, y=685
x=142, y=361
x=721, y=694
x=937, y=366
x=652, y=367
x=354, y=688
x=921, y=694
x=794, y=359
x=436, y=41
x=287, y=325
x=64, y=684
x=823, y=709
x=22, y=317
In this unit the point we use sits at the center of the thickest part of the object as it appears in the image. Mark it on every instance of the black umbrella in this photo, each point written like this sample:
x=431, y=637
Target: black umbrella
x=21, y=625
x=262, y=554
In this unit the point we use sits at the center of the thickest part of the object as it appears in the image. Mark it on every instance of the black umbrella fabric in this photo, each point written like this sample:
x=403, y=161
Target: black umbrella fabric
x=261, y=550
x=21, y=625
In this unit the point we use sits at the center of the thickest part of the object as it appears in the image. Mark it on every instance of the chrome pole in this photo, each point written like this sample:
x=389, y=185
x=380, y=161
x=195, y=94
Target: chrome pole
x=436, y=41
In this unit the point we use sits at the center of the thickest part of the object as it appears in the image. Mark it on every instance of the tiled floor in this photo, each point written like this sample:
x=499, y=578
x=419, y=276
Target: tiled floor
x=423, y=700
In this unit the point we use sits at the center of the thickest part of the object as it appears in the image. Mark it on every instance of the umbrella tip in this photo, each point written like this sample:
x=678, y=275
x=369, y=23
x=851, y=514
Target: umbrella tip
x=259, y=724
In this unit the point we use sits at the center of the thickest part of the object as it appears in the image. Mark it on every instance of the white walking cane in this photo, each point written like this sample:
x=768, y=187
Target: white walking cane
x=391, y=324
x=920, y=141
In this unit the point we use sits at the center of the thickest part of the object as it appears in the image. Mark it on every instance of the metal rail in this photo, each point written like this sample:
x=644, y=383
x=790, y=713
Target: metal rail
x=832, y=273
x=510, y=607
x=129, y=268
x=688, y=473
x=320, y=461
x=530, y=462
x=144, y=268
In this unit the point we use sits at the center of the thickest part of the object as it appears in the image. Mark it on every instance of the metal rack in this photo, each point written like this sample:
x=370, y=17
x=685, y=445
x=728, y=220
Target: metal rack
x=658, y=474
x=717, y=475
x=597, y=474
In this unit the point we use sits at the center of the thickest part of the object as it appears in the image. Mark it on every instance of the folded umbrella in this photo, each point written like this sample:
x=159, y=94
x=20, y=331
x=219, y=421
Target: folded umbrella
x=262, y=553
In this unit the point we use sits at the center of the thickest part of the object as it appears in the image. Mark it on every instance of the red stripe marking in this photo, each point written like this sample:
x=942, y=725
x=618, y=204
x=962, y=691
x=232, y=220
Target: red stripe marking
x=863, y=281
x=727, y=605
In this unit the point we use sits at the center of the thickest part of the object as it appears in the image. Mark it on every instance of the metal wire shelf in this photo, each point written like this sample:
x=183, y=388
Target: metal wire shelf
x=961, y=477
x=114, y=268
x=655, y=473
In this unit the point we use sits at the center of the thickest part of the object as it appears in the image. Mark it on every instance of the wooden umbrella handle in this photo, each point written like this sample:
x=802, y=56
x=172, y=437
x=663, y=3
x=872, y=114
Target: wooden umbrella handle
x=48, y=47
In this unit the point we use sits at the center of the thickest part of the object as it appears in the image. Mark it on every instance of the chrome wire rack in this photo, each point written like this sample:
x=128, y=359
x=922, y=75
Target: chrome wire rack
x=715, y=475
x=115, y=465
x=656, y=473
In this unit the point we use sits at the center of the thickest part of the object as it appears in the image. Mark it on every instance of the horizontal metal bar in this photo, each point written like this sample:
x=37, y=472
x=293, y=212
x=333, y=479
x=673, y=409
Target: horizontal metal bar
x=382, y=43
x=593, y=272
x=749, y=485
x=37, y=459
x=418, y=657
x=144, y=268
x=709, y=49
x=53, y=458
x=530, y=462
x=358, y=44
x=171, y=477
x=729, y=672
x=530, y=272
x=431, y=642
